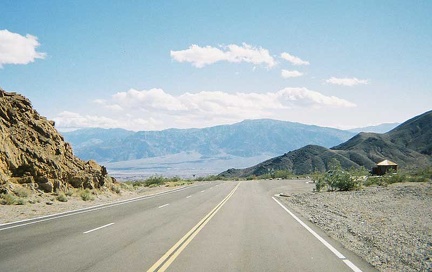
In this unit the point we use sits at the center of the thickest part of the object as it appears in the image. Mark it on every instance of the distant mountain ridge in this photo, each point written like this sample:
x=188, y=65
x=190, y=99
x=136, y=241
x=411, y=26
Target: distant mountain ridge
x=409, y=145
x=381, y=128
x=249, y=138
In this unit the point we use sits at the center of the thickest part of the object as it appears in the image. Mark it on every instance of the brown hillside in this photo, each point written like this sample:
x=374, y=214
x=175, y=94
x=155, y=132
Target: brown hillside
x=34, y=154
x=409, y=145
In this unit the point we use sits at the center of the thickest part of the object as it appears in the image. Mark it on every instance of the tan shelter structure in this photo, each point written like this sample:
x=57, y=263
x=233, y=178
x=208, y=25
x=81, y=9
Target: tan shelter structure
x=383, y=167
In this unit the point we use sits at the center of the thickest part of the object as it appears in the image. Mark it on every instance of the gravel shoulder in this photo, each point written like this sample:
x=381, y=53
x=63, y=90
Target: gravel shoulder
x=390, y=227
x=46, y=204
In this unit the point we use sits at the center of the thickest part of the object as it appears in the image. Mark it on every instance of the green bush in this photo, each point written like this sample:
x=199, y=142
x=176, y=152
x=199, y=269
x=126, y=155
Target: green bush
x=116, y=189
x=208, y=178
x=421, y=175
x=8, y=199
x=62, y=197
x=336, y=179
x=283, y=174
x=86, y=195
x=154, y=181
x=69, y=192
x=22, y=192
x=21, y=201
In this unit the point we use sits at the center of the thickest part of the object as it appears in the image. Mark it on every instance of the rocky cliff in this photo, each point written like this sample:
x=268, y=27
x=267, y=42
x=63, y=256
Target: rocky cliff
x=35, y=155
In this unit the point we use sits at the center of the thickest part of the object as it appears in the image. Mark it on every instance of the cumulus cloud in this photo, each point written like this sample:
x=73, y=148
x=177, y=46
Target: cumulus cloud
x=346, y=81
x=17, y=49
x=289, y=74
x=293, y=59
x=155, y=109
x=67, y=119
x=202, y=56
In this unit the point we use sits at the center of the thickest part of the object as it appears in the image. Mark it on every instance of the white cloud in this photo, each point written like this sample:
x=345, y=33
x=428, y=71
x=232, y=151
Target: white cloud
x=67, y=119
x=153, y=99
x=346, y=81
x=289, y=74
x=293, y=59
x=202, y=56
x=17, y=49
x=155, y=109
x=302, y=97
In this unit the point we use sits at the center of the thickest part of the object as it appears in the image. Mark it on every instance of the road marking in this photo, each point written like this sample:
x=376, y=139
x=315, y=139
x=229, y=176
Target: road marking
x=166, y=260
x=351, y=265
x=202, y=191
x=189, y=196
x=32, y=221
x=163, y=206
x=330, y=247
x=101, y=227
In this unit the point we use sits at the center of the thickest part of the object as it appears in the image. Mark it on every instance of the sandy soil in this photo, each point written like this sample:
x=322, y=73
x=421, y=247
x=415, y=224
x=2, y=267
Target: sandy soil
x=46, y=204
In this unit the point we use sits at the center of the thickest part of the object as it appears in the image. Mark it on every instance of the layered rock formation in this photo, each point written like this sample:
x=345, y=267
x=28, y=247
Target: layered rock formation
x=34, y=154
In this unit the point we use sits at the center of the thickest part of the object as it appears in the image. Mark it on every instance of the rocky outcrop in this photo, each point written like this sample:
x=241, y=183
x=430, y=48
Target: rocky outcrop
x=34, y=154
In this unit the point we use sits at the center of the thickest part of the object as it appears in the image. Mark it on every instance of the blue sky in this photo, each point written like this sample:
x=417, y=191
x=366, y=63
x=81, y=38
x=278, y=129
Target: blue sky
x=151, y=65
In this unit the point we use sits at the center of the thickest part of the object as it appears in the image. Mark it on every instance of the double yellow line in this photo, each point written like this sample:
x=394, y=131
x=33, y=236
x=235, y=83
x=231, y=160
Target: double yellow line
x=166, y=260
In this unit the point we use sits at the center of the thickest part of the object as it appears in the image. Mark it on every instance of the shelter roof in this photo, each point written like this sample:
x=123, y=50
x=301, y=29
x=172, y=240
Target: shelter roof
x=386, y=162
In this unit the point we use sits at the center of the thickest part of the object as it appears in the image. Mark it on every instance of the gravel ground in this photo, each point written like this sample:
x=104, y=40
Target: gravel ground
x=390, y=227
x=46, y=204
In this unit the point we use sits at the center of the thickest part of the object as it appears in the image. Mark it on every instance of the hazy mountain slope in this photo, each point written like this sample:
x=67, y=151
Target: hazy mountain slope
x=401, y=145
x=301, y=161
x=415, y=133
x=368, y=148
x=245, y=139
x=91, y=136
x=382, y=128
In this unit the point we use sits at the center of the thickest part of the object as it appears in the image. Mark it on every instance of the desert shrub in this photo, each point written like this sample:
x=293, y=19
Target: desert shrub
x=8, y=199
x=154, y=181
x=421, y=175
x=62, y=197
x=174, y=179
x=411, y=175
x=319, y=182
x=22, y=192
x=69, y=192
x=373, y=180
x=86, y=195
x=336, y=179
x=21, y=201
x=116, y=189
x=283, y=174
x=208, y=178
x=392, y=177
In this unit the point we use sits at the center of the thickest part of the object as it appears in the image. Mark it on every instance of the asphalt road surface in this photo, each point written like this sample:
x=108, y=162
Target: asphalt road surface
x=210, y=226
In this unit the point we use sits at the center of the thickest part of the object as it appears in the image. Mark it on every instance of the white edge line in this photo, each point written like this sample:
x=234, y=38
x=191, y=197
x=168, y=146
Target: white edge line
x=163, y=206
x=352, y=266
x=330, y=247
x=101, y=227
x=189, y=196
x=87, y=209
x=334, y=250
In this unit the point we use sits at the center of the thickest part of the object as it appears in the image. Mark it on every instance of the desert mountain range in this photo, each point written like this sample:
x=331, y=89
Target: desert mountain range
x=409, y=145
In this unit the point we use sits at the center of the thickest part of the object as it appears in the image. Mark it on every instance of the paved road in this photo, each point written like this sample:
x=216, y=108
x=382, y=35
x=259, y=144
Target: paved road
x=214, y=226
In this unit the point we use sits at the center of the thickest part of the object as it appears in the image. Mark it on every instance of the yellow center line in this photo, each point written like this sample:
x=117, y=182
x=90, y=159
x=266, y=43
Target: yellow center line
x=166, y=260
